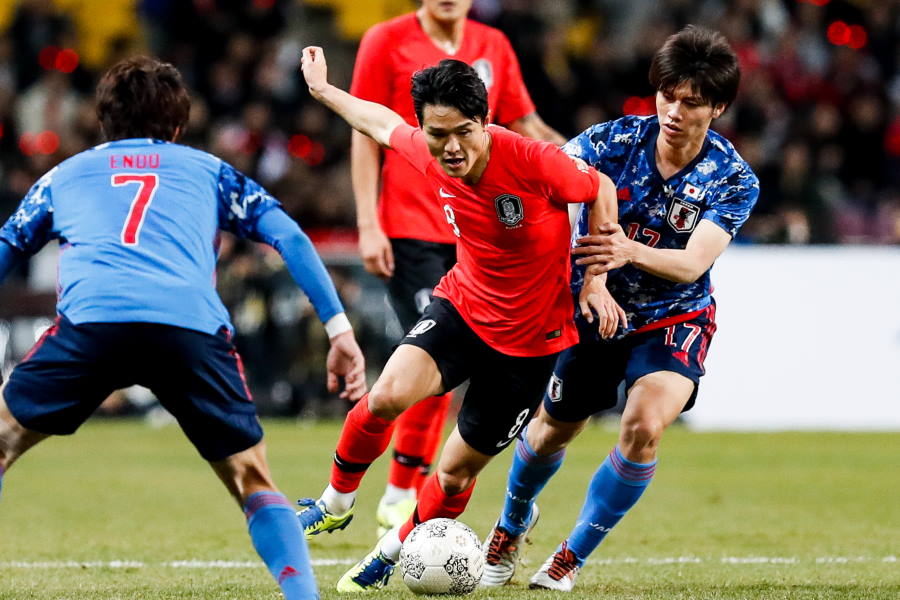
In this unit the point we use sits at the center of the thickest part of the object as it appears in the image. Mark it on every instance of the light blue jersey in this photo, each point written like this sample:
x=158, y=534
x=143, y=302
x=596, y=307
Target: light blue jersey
x=717, y=186
x=137, y=222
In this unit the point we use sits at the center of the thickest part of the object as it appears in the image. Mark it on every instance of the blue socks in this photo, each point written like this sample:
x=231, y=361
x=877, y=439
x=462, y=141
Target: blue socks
x=279, y=541
x=528, y=475
x=615, y=487
x=2, y=470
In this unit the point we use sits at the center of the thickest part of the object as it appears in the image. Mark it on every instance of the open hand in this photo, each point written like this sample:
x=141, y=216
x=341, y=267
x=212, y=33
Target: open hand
x=345, y=359
x=595, y=298
x=377, y=254
x=609, y=249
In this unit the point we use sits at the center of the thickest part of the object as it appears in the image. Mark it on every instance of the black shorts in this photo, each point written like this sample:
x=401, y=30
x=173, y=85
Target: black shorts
x=418, y=267
x=197, y=377
x=504, y=391
x=586, y=378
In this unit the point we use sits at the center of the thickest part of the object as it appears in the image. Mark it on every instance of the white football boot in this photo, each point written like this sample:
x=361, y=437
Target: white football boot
x=501, y=552
x=558, y=572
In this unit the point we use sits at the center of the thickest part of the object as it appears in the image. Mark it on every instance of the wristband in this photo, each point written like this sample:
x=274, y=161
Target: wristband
x=337, y=325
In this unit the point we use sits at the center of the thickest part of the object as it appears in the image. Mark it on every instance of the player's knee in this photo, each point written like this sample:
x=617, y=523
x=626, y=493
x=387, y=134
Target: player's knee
x=546, y=435
x=640, y=434
x=455, y=481
x=245, y=474
x=387, y=400
x=11, y=434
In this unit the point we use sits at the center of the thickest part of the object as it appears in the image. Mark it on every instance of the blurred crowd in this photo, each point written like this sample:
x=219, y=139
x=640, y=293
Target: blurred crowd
x=817, y=116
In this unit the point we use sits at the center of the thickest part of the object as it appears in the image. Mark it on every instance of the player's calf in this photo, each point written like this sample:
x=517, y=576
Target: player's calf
x=278, y=540
x=15, y=439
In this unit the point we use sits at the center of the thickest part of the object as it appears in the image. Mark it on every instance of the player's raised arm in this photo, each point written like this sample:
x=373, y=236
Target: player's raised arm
x=374, y=120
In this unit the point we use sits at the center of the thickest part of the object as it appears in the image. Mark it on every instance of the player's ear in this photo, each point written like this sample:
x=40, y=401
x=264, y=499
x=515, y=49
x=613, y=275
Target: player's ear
x=718, y=109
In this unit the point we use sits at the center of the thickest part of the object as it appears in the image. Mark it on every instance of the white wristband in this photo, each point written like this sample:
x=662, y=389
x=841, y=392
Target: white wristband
x=337, y=325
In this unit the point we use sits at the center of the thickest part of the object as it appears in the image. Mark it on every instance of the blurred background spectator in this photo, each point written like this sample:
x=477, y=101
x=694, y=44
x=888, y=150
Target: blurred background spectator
x=818, y=117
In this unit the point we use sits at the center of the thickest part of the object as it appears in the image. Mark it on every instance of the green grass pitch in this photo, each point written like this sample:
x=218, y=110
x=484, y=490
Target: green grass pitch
x=120, y=510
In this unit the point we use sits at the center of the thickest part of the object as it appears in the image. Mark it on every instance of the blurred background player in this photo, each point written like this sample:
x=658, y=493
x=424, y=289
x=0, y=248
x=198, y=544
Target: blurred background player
x=403, y=233
x=683, y=194
x=501, y=314
x=138, y=218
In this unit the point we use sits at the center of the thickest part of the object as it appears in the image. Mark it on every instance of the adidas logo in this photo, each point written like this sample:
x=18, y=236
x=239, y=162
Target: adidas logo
x=288, y=571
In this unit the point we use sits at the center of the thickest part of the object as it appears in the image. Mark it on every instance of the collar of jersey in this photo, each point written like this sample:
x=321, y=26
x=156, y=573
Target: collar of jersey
x=650, y=153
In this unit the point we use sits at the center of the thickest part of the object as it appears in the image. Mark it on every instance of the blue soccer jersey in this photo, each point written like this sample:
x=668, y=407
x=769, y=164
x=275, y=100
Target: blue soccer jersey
x=137, y=222
x=662, y=213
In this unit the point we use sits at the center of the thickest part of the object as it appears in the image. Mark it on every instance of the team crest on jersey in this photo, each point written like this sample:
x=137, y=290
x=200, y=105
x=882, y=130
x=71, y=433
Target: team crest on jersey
x=683, y=215
x=485, y=70
x=509, y=209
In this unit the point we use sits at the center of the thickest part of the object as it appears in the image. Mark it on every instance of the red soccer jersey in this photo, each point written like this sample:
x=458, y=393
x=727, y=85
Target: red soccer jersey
x=389, y=54
x=511, y=281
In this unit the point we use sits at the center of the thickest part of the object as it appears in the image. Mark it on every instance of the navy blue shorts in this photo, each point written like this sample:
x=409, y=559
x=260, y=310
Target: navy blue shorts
x=586, y=378
x=197, y=377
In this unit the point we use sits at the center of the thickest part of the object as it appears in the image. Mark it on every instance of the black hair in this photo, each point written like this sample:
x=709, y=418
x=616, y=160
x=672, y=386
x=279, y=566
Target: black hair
x=142, y=97
x=450, y=83
x=701, y=57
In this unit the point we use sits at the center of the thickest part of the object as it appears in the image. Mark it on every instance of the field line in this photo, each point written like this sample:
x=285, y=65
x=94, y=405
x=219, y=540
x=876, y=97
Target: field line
x=330, y=562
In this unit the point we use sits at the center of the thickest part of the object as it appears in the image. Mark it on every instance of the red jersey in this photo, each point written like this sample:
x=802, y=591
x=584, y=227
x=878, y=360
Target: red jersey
x=511, y=281
x=389, y=54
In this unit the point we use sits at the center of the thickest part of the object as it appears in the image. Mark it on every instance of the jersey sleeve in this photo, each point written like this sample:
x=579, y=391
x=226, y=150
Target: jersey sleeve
x=591, y=145
x=567, y=179
x=409, y=142
x=730, y=209
x=242, y=202
x=31, y=226
x=371, y=80
x=281, y=232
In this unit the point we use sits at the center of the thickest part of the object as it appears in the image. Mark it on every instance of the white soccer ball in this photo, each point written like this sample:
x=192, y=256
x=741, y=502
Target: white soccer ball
x=442, y=556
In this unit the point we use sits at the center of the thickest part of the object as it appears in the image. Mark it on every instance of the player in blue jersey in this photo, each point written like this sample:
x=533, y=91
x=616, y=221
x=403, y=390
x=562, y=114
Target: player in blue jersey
x=137, y=220
x=683, y=193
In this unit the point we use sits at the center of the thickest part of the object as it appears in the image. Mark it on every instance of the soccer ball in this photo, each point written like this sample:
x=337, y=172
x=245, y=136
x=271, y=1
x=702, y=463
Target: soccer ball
x=442, y=556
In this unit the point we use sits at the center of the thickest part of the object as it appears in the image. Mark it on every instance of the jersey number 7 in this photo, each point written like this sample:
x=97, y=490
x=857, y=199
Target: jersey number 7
x=147, y=184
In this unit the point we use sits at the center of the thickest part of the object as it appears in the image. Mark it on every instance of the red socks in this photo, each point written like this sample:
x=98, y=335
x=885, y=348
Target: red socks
x=435, y=437
x=364, y=438
x=419, y=433
x=435, y=503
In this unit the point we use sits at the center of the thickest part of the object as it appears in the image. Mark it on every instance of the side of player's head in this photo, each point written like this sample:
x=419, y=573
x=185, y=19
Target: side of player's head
x=701, y=57
x=142, y=97
x=450, y=83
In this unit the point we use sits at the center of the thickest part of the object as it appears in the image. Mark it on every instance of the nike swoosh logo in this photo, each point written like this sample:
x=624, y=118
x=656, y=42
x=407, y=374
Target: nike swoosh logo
x=445, y=194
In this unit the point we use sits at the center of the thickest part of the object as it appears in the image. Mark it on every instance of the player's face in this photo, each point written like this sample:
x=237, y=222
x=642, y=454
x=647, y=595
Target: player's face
x=447, y=10
x=684, y=116
x=456, y=141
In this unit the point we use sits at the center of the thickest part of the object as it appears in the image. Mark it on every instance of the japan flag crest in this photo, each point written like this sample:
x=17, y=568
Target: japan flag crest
x=694, y=192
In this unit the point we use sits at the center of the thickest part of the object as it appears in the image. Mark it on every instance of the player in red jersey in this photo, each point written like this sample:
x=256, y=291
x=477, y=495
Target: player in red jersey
x=403, y=233
x=500, y=315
